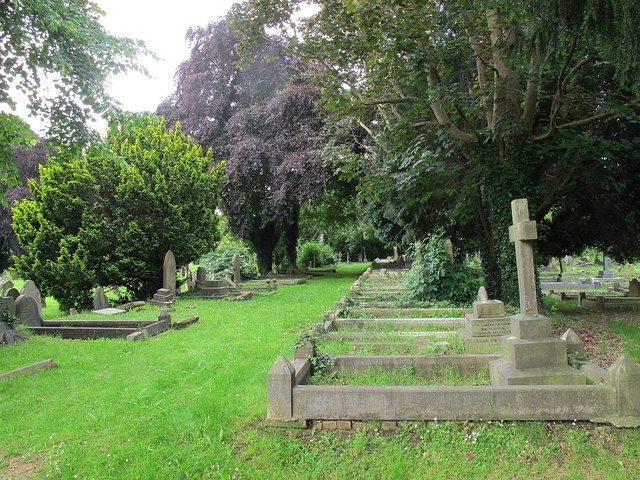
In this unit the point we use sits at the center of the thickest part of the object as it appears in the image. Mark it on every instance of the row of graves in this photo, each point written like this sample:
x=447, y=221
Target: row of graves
x=605, y=292
x=503, y=367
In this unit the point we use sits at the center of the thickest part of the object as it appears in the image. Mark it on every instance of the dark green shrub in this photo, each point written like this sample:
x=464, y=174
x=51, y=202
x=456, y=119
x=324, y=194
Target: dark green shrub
x=435, y=277
x=109, y=218
x=316, y=254
x=220, y=261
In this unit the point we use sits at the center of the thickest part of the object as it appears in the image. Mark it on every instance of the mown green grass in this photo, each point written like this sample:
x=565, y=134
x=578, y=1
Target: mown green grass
x=191, y=404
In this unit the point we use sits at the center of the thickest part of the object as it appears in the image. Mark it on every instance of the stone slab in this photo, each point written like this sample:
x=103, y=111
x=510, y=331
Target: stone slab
x=538, y=353
x=542, y=402
x=155, y=328
x=505, y=374
x=83, y=333
x=185, y=322
x=530, y=326
x=36, y=367
x=98, y=323
x=135, y=337
x=480, y=344
x=109, y=311
x=488, y=309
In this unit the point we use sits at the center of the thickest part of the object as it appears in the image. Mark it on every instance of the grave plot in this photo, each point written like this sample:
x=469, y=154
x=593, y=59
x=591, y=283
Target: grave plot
x=531, y=377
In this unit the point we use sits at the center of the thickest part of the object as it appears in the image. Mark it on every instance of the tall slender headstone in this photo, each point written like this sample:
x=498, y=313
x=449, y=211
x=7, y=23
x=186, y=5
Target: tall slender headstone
x=169, y=273
x=530, y=356
x=448, y=248
x=236, y=268
x=606, y=263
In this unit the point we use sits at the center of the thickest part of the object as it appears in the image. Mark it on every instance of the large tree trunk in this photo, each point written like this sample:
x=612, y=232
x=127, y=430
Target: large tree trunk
x=264, y=242
x=291, y=238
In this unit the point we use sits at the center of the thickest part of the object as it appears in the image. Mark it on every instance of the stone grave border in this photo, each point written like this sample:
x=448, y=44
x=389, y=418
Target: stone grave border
x=519, y=390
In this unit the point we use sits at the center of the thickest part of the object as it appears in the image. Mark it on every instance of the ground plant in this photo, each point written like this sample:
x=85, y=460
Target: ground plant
x=191, y=404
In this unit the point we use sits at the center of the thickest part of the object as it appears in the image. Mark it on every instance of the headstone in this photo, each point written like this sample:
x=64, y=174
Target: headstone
x=483, y=296
x=30, y=288
x=448, y=248
x=12, y=292
x=634, y=288
x=100, y=300
x=530, y=356
x=396, y=255
x=27, y=311
x=236, y=268
x=8, y=305
x=165, y=316
x=201, y=275
x=5, y=285
x=73, y=311
x=485, y=327
x=605, y=272
x=169, y=273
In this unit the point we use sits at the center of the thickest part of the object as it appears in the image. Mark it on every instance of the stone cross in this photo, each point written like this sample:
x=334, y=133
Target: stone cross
x=522, y=232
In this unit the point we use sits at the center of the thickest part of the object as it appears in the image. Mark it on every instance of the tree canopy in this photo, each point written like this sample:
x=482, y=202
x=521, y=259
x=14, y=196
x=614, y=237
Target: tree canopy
x=265, y=119
x=58, y=55
x=109, y=219
x=468, y=105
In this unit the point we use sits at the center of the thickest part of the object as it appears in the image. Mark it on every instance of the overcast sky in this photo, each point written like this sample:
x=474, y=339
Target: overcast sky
x=162, y=26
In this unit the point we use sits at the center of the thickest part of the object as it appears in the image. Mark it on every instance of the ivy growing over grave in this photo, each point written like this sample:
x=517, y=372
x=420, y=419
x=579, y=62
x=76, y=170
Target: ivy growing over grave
x=434, y=276
x=220, y=261
x=109, y=217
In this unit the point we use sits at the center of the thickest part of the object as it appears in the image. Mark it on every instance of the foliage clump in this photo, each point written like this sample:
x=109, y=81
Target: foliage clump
x=109, y=218
x=220, y=261
x=435, y=276
x=316, y=254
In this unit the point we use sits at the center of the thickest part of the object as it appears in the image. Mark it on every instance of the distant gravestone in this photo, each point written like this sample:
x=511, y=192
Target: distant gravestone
x=100, y=300
x=201, y=275
x=169, y=273
x=634, y=288
x=73, y=311
x=448, y=248
x=605, y=272
x=236, y=268
x=8, y=305
x=27, y=311
x=31, y=289
x=5, y=285
x=12, y=292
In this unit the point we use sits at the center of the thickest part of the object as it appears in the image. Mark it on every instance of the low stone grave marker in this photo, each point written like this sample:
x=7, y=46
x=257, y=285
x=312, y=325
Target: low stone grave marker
x=634, y=288
x=485, y=327
x=30, y=288
x=100, y=300
x=27, y=311
x=109, y=311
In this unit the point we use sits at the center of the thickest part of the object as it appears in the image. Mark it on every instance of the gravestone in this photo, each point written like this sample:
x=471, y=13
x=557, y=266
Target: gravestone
x=448, y=248
x=100, y=300
x=201, y=275
x=634, y=288
x=27, y=311
x=5, y=285
x=30, y=288
x=605, y=272
x=169, y=273
x=8, y=305
x=485, y=327
x=530, y=356
x=12, y=292
x=236, y=268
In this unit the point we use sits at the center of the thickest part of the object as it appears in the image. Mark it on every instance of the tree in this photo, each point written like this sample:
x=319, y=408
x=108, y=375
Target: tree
x=261, y=117
x=109, y=219
x=477, y=103
x=26, y=161
x=275, y=166
x=60, y=44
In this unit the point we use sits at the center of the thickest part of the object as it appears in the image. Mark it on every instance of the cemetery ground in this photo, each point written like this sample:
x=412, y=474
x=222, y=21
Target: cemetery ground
x=191, y=404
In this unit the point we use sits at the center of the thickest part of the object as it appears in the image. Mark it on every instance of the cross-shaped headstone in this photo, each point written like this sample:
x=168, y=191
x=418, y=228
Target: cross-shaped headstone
x=522, y=232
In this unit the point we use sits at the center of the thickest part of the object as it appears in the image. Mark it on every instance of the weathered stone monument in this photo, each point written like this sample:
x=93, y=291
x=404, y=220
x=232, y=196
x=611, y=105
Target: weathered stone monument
x=27, y=311
x=448, y=248
x=634, y=288
x=531, y=355
x=169, y=273
x=485, y=327
x=100, y=300
x=167, y=294
x=29, y=288
x=605, y=272
x=236, y=268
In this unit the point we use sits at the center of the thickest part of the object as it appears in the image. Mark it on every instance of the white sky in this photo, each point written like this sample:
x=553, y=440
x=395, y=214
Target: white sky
x=162, y=26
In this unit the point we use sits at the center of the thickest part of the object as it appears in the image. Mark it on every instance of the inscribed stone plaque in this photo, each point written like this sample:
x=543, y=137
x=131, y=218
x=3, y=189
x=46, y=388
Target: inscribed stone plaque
x=27, y=311
x=488, y=327
x=634, y=288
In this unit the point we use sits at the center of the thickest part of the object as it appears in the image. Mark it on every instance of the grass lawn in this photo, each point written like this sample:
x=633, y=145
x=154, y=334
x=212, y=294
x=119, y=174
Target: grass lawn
x=190, y=404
